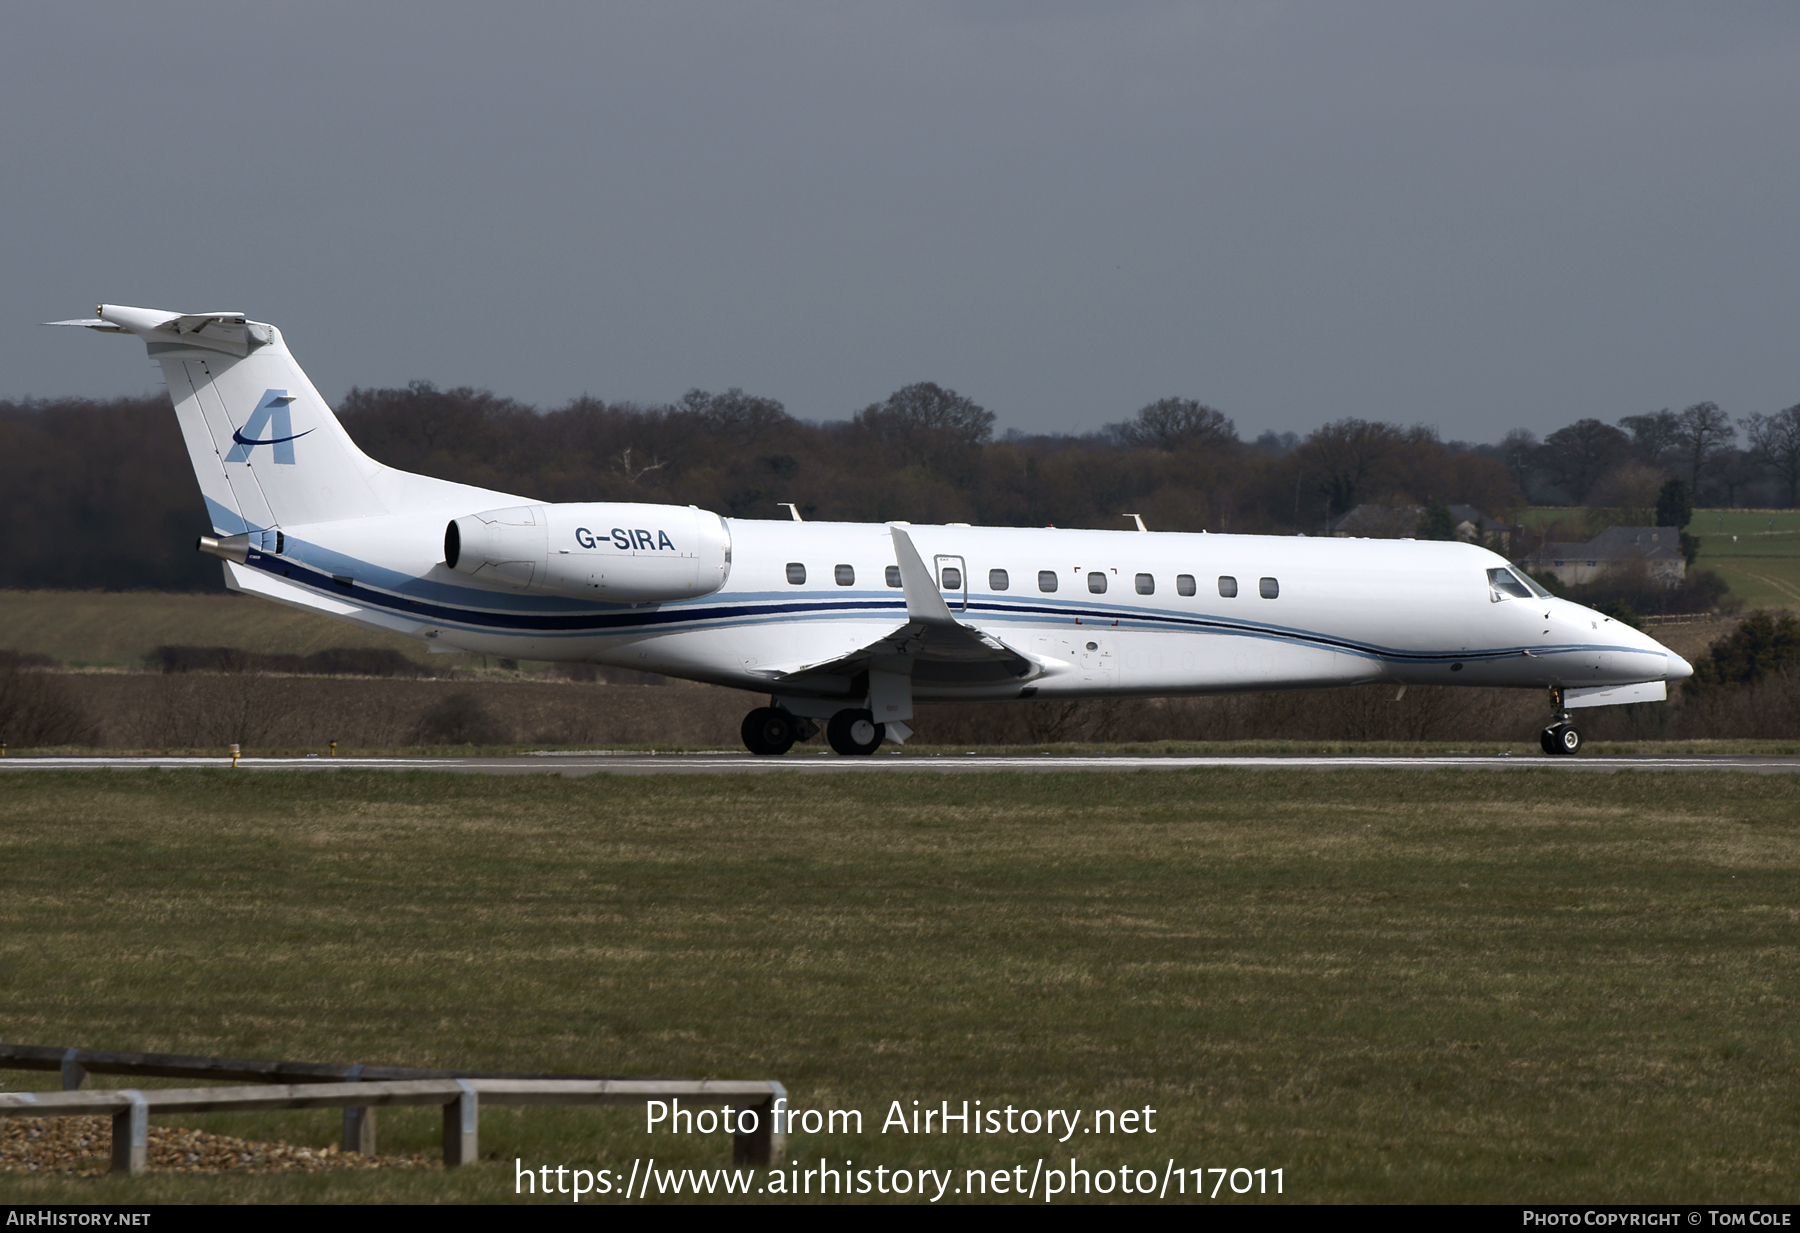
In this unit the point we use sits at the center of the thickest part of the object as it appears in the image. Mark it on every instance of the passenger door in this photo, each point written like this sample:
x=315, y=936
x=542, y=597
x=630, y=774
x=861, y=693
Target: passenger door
x=953, y=580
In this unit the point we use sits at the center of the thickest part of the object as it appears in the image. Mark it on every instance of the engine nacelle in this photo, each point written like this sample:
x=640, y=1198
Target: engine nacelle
x=619, y=553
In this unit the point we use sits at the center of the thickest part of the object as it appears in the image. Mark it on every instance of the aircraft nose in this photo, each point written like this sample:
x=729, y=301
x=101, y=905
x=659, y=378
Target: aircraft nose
x=1678, y=669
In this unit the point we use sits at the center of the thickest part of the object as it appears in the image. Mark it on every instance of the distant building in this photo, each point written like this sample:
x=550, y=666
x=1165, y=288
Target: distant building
x=1654, y=550
x=1402, y=522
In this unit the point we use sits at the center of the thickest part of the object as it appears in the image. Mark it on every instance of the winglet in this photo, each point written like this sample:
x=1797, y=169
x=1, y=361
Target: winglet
x=924, y=602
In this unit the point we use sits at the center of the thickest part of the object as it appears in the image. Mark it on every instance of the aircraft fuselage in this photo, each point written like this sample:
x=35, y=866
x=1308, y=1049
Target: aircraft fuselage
x=1261, y=612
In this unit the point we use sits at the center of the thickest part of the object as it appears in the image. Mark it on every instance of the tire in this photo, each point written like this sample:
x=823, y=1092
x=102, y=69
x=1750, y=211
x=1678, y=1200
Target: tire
x=855, y=733
x=1560, y=740
x=768, y=731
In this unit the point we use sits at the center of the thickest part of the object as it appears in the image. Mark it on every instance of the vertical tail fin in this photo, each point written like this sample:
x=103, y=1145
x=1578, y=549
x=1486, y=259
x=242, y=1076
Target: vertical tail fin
x=266, y=449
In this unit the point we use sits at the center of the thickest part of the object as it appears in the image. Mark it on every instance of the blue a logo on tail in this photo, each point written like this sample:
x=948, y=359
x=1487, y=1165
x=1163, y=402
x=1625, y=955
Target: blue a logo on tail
x=272, y=414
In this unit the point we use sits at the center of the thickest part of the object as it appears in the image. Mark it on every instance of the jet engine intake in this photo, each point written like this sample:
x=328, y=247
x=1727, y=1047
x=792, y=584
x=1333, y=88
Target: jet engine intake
x=618, y=553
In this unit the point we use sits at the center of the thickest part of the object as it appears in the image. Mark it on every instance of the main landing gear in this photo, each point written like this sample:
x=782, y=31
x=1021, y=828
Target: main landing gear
x=855, y=732
x=1561, y=737
x=771, y=730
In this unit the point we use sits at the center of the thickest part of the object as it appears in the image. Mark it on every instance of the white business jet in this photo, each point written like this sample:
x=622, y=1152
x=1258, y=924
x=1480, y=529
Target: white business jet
x=848, y=624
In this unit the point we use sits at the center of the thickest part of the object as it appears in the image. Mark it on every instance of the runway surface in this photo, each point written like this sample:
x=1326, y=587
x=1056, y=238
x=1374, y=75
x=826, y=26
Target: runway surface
x=576, y=765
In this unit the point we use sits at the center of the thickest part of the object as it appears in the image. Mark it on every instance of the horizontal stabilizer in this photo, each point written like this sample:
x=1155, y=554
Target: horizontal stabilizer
x=259, y=582
x=94, y=323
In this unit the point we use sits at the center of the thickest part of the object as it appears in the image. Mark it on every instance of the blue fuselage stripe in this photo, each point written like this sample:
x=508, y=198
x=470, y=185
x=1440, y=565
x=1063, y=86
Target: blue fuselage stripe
x=712, y=613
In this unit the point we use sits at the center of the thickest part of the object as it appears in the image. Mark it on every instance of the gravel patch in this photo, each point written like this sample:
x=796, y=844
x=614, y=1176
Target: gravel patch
x=82, y=1146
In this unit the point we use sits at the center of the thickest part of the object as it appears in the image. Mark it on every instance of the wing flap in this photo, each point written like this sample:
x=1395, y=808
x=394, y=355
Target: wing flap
x=956, y=654
x=932, y=645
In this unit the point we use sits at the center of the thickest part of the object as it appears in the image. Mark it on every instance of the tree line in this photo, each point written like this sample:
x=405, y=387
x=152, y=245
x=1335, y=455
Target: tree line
x=100, y=494
x=1591, y=462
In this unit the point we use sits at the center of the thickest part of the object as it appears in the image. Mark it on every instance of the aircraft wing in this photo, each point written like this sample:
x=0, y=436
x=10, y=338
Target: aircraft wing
x=931, y=646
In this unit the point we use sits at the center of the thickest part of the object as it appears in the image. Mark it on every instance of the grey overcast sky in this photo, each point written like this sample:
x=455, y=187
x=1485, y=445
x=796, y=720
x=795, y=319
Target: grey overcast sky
x=1470, y=216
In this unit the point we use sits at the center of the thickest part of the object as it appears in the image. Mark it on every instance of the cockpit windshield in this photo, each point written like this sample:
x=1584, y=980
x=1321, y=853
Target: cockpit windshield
x=1505, y=584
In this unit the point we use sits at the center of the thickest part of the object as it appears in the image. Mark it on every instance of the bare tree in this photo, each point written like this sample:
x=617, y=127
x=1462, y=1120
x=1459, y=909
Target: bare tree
x=1173, y=423
x=736, y=415
x=1733, y=471
x=1702, y=431
x=1775, y=443
x=634, y=474
x=1518, y=453
x=1349, y=454
x=1577, y=457
x=1626, y=497
x=1652, y=436
x=924, y=421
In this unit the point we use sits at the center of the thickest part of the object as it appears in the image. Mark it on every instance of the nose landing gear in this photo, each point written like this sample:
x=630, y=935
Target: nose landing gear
x=1561, y=737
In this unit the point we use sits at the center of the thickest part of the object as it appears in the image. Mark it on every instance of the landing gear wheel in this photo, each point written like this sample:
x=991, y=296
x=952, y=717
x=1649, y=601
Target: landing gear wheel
x=767, y=730
x=855, y=732
x=1561, y=739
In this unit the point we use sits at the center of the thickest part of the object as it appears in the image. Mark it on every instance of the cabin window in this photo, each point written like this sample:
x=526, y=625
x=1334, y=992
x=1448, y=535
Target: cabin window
x=1268, y=587
x=1046, y=580
x=997, y=580
x=1097, y=582
x=1504, y=584
x=796, y=574
x=1184, y=584
x=952, y=578
x=893, y=575
x=1146, y=584
x=845, y=575
x=1227, y=586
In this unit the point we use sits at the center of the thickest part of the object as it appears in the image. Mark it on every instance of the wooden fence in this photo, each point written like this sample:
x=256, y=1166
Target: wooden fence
x=358, y=1090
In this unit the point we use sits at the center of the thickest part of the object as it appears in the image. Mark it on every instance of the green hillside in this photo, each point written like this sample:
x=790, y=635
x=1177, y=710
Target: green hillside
x=1757, y=552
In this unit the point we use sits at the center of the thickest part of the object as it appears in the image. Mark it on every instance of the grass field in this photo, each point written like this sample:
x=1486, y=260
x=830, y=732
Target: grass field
x=1756, y=552
x=1394, y=986
x=118, y=628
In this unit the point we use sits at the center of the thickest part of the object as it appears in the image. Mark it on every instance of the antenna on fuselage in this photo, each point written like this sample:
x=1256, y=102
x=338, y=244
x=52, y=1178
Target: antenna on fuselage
x=1139, y=519
x=791, y=508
